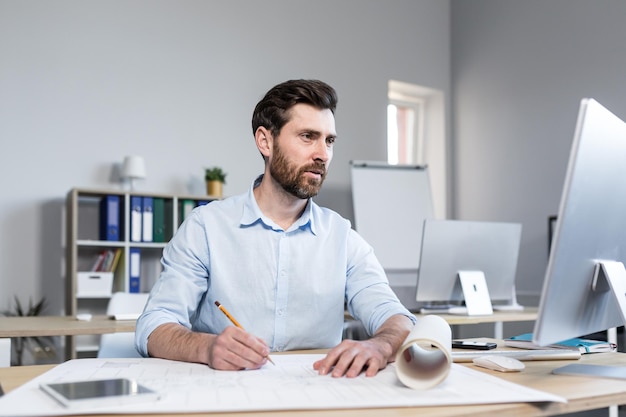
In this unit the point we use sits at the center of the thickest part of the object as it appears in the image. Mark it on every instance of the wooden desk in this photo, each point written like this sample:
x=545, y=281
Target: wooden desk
x=528, y=314
x=582, y=393
x=497, y=318
x=69, y=326
x=61, y=326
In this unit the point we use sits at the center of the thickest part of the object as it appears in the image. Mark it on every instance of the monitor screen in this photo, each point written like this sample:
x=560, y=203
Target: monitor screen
x=450, y=246
x=590, y=236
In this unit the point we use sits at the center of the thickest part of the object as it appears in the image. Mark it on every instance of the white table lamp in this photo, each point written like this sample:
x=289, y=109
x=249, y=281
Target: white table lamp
x=134, y=168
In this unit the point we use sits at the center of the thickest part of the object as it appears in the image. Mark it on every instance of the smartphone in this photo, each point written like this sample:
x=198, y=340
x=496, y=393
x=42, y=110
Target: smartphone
x=471, y=344
x=99, y=393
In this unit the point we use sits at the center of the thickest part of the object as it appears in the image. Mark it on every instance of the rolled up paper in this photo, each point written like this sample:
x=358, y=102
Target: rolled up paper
x=424, y=359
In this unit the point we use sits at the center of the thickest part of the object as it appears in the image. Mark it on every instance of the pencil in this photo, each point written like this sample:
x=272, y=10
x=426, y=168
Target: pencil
x=236, y=323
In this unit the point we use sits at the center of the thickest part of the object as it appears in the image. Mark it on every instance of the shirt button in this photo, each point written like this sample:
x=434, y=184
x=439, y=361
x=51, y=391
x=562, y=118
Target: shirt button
x=280, y=312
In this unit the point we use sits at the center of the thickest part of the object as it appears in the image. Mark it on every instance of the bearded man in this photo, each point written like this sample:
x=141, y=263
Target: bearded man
x=284, y=266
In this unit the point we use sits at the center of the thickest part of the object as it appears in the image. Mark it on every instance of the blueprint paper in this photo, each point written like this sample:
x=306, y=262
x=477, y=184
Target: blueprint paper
x=290, y=385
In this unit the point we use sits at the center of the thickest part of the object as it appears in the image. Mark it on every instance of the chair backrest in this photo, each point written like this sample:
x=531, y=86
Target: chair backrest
x=122, y=345
x=127, y=303
x=5, y=352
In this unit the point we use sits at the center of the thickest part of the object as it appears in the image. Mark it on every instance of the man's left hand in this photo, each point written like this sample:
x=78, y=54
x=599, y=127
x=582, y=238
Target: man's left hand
x=351, y=357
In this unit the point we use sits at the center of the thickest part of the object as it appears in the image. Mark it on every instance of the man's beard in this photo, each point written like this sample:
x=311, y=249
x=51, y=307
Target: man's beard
x=293, y=179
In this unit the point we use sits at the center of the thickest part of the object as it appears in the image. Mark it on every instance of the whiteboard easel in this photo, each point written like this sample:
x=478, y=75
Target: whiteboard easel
x=390, y=205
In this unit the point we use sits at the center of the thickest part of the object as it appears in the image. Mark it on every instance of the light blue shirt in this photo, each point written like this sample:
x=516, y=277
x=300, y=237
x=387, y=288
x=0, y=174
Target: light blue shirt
x=285, y=286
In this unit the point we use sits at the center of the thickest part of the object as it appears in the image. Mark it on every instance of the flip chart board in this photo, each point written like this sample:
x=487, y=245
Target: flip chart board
x=390, y=205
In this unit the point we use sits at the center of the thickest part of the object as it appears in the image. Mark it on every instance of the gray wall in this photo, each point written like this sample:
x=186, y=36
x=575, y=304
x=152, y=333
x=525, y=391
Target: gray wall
x=519, y=70
x=84, y=83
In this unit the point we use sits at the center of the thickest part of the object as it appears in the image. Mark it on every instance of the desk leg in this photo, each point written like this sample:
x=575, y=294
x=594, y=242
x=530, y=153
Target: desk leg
x=611, y=337
x=497, y=330
x=5, y=353
x=70, y=347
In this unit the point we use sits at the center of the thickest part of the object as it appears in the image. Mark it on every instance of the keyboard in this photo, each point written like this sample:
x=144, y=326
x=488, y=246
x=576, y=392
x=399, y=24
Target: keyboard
x=444, y=310
x=522, y=355
x=126, y=316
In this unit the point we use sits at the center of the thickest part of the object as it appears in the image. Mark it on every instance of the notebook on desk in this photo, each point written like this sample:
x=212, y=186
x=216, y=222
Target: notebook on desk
x=525, y=341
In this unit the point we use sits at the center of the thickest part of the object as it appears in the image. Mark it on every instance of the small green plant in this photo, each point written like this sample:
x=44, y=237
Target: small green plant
x=215, y=174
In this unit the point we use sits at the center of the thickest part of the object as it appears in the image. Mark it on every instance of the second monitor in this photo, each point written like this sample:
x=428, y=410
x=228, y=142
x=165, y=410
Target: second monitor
x=453, y=248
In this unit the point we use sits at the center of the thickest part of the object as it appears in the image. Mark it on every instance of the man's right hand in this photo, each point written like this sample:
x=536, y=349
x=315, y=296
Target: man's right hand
x=233, y=349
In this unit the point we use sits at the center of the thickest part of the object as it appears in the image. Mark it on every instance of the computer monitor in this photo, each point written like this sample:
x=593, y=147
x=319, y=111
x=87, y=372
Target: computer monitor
x=585, y=282
x=452, y=246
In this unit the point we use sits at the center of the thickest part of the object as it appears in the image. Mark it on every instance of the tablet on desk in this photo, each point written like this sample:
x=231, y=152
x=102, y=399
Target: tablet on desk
x=99, y=393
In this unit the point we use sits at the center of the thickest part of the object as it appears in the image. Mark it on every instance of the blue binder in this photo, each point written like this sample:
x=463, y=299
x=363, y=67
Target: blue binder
x=135, y=218
x=110, y=218
x=134, y=270
x=147, y=220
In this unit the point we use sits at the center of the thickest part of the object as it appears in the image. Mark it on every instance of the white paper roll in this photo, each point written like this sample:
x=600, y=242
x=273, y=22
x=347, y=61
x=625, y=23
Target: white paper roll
x=424, y=359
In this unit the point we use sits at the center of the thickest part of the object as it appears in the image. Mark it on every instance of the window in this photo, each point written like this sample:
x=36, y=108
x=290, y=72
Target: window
x=405, y=134
x=416, y=135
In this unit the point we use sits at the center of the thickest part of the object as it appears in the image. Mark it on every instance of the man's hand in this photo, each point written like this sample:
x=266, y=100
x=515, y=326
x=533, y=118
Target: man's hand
x=351, y=357
x=233, y=349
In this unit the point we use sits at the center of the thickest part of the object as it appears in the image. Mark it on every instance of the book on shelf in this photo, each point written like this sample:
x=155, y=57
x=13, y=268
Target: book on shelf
x=97, y=265
x=116, y=260
x=107, y=260
x=525, y=341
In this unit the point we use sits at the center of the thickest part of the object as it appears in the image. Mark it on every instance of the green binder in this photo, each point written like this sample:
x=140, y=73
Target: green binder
x=187, y=206
x=158, y=211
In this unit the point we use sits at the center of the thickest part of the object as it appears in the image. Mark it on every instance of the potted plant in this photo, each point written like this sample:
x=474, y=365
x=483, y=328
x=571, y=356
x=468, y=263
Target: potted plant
x=40, y=346
x=215, y=179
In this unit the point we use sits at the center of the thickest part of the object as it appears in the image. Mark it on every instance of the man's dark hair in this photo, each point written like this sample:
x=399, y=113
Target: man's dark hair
x=272, y=112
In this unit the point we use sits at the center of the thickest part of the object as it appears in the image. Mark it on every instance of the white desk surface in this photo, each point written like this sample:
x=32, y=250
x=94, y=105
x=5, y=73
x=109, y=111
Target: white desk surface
x=582, y=393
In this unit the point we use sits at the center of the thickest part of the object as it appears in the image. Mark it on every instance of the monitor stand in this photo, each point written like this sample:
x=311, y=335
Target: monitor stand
x=607, y=276
x=611, y=276
x=475, y=292
x=587, y=369
x=513, y=305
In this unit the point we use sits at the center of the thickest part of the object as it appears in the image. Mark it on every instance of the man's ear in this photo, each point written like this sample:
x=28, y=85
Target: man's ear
x=263, y=139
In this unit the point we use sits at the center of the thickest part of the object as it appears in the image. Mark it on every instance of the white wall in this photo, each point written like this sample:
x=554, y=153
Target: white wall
x=519, y=70
x=84, y=83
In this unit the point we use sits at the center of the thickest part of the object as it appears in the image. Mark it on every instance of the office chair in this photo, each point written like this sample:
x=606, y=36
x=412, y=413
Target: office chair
x=122, y=345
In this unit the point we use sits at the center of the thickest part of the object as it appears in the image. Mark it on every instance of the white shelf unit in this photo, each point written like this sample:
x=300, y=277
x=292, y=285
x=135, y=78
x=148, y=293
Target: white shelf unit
x=84, y=245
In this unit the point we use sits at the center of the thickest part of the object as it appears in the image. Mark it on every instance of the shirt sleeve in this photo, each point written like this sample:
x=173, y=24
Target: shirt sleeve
x=369, y=297
x=181, y=285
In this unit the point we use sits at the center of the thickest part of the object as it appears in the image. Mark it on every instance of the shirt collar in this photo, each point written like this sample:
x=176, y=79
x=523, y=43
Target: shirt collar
x=252, y=213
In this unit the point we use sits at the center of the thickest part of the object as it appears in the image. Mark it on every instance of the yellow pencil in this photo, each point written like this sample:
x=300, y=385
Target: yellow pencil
x=236, y=323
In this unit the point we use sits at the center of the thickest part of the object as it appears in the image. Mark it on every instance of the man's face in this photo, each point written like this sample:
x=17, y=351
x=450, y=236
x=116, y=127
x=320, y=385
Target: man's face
x=303, y=151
